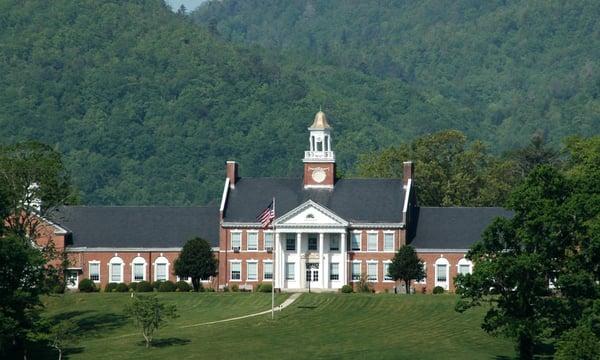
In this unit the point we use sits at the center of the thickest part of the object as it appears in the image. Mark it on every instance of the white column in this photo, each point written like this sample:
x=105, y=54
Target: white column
x=277, y=260
x=321, y=262
x=343, y=264
x=299, y=275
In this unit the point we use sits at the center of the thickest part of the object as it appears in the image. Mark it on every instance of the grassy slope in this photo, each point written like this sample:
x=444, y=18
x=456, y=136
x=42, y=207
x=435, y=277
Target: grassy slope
x=317, y=325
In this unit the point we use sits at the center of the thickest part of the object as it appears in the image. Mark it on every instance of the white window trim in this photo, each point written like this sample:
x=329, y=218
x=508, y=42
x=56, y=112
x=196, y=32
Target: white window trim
x=359, y=262
x=464, y=261
x=272, y=270
x=376, y=233
x=445, y=284
x=136, y=260
x=359, y=232
x=393, y=233
x=338, y=271
x=163, y=260
x=286, y=270
x=231, y=262
x=371, y=262
x=383, y=269
x=248, y=262
x=424, y=281
x=265, y=232
x=339, y=240
x=231, y=233
x=90, y=271
x=116, y=260
x=74, y=285
x=248, y=240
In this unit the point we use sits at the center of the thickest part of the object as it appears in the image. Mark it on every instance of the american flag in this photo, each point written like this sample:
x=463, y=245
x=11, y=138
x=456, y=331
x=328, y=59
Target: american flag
x=267, y=215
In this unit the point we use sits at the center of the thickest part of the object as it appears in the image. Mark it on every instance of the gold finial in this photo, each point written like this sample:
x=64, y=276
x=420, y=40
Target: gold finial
x=320, y=121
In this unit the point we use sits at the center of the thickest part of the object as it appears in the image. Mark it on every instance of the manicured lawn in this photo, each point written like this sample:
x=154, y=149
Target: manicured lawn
x=315, y=326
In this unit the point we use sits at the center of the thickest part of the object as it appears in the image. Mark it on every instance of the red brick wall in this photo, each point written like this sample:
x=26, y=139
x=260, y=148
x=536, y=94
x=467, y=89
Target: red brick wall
x=329, y=169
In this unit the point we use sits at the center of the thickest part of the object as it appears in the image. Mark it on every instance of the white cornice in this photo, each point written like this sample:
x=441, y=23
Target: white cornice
x=441, y=251
x=125, y=249
x=305, y=205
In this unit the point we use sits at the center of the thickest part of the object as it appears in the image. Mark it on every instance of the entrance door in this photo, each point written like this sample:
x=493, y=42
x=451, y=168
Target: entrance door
x=72, y=279
x=312, y=274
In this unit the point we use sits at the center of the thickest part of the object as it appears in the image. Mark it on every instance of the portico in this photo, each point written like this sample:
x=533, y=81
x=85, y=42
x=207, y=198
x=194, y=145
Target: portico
x=310, y=249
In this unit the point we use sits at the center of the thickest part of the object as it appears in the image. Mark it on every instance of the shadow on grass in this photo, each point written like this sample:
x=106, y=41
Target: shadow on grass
x=161, y=343
x=89, y=322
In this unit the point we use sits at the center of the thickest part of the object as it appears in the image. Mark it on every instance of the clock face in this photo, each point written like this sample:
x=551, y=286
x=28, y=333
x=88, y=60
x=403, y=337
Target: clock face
x=319, y=176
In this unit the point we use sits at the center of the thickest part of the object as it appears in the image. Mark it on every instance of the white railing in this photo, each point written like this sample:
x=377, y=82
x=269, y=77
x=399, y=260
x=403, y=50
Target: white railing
x=319, y=155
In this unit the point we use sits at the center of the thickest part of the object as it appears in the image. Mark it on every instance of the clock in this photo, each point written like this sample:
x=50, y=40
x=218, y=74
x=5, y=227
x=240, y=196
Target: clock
x=318, y=176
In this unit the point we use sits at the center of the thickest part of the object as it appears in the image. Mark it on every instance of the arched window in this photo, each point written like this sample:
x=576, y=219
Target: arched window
x=138, y=269
x=442, y=273
x=161, y=269
x=464, y=266
x=115, y=270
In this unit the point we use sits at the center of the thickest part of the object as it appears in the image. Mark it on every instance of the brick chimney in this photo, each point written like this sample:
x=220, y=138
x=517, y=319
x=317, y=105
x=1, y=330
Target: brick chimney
x=232, y=173
x=408, y=172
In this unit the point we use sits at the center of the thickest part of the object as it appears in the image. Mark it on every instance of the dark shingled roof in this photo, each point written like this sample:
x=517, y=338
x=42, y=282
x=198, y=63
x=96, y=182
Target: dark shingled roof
x=138, y=226
x=452, y=227
x=355, y=200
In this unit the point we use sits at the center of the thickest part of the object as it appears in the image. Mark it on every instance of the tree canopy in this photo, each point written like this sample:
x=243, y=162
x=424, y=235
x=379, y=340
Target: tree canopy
x=407, y=266
x=197, y=261
x=539, y=269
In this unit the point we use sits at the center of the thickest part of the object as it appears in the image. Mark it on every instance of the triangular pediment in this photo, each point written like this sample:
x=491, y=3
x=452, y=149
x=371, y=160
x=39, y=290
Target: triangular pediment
x=310, y=213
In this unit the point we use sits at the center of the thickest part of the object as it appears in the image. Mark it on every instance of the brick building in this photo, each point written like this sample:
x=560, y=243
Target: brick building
x=327, y=231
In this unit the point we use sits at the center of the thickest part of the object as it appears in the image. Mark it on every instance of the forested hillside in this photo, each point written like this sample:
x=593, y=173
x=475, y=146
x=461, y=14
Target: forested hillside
x=509, y=68
x=147, y=106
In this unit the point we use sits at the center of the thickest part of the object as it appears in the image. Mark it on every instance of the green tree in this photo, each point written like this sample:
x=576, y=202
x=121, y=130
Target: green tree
x=196, y=261
x=149, y=314
x=33, y=182
x=59, y=336
x=536, y=153
x=406, y=266
x=22, y=281
x=551, y=239
x=449, y=170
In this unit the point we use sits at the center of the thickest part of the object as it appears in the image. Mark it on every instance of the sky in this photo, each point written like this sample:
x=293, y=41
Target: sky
x=189, y=4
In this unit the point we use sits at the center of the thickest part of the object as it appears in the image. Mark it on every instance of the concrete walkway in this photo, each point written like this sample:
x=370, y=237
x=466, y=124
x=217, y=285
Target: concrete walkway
x=285, y=304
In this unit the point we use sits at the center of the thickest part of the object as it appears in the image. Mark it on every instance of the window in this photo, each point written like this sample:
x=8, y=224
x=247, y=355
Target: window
x=442, y=266
x=388, y=242
x=386, y=270
x=312, y=242
x=372, y=271
x=334, y=271
x=290, y=271
x=236, y=270
x=161, y=271
x=334, y=242
x=464, y=266
x=138, y=271
x=290, y=242
x=355, y=271
x=72, y=279
x=115, y=269
x=372, y=242
x=268, y=240
x=424, y=281
x=355, y=241
x=252, y=244
x=252, y=271
x=441, y=273
x=236, y=240
x=268, y=270
x=95, y=271
x=115, y=275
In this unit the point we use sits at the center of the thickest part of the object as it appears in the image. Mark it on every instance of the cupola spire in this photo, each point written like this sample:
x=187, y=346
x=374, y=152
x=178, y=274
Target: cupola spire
x=319, y=160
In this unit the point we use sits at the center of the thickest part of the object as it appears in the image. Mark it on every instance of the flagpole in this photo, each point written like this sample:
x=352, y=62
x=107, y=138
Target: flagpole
x=274, y=253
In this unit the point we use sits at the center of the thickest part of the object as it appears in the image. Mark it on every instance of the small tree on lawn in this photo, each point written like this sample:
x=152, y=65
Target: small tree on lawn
x=196, y=261
x=406, y=266
x=149, y=314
